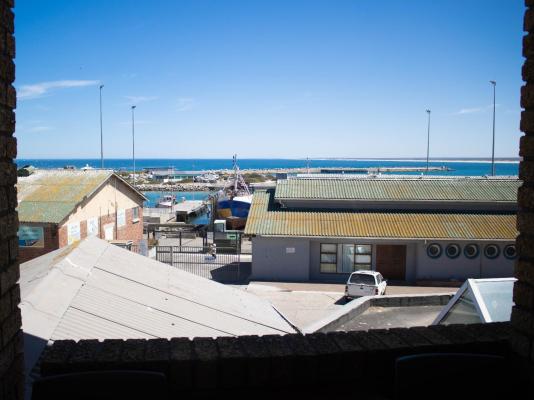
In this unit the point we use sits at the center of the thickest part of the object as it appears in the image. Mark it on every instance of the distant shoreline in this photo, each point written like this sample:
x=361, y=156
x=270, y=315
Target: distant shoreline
x=514, y=160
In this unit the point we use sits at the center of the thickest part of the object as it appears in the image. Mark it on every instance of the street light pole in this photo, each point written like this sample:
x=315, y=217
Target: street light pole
x=101, y=134
x=494, y=83
x=133, y=143
x=428, y=142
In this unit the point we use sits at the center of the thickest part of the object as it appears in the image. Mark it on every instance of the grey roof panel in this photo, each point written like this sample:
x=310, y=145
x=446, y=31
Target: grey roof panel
x=95, y=290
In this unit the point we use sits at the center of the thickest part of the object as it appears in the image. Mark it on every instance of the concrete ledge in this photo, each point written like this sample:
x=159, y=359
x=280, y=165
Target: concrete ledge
x=358, y=306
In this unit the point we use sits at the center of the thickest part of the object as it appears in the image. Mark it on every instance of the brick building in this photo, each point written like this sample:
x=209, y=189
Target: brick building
x=59, y=207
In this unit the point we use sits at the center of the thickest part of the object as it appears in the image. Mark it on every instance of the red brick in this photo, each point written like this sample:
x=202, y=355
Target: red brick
x=527, y=71
x=525, y=222
x=525, y=198
x=524, y=246
x=528, y=21
x=526, y=146
x=523, y=320
x=524, y=271
x=524, y=295
x=526, y=171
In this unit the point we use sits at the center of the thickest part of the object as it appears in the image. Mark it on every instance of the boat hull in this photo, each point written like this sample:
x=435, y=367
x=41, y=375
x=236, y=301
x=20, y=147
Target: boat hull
x=233, y=208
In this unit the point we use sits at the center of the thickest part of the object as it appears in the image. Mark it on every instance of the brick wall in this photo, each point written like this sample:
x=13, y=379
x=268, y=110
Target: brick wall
x=523, y=311
x=132, y=230
x=55, y=238
x=11, y=342
x=327, y=364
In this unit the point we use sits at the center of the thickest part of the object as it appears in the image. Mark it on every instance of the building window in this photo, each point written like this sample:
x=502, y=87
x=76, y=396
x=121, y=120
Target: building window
x=135, y=214
x=353, y=257
x=31, y=236
x=328, y=258
x=363, y=255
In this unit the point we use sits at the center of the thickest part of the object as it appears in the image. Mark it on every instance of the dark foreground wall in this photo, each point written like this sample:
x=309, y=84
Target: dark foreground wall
x=11, y=357
x=332, y=363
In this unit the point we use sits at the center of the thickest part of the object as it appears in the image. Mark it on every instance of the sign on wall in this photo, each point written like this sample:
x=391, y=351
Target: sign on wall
x=92, y=226
x=108, y=232
x=73, y=232
x=121, y=218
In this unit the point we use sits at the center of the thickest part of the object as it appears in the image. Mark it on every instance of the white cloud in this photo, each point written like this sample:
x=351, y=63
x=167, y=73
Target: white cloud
x=43, y=88
x=185, y=104
x=34, y=129
x=139, y=99
x=475, y=109
x=40, y=129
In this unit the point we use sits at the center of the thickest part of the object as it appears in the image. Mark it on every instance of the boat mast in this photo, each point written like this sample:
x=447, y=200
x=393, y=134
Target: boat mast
x=235, y=173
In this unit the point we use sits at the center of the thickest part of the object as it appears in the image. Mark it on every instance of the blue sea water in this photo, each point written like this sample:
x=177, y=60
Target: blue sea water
x=461, y=168
x=201, y=219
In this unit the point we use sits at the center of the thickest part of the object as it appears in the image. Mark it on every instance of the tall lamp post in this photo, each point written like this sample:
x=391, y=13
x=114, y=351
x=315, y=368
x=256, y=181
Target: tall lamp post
x=494, y=83
x=133, y=143
x=428, y=111
x=101, y=134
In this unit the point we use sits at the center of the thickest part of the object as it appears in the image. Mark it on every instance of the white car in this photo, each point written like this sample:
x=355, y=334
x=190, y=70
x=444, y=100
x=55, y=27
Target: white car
x=365, y=283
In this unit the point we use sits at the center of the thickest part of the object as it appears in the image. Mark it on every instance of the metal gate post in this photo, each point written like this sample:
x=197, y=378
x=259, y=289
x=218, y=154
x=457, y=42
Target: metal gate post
x=171, y=253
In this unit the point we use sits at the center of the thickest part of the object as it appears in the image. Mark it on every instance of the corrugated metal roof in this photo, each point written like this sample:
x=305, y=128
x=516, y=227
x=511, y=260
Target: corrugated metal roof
x=468, y=189
x=51, y=195
x=265, y=219
x=95, y=290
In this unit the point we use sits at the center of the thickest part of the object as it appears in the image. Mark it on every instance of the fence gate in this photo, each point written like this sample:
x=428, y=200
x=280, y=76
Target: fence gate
x=223, y=266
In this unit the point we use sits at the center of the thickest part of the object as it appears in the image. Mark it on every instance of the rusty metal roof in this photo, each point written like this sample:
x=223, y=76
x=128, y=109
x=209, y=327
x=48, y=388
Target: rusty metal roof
x=51, y=195
x=265, y=218
x=387, y=189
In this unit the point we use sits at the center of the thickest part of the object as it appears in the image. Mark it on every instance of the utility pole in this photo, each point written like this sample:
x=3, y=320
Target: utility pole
x=133, y=143
x=101, y=134
x=428, y=142
x=494, y=83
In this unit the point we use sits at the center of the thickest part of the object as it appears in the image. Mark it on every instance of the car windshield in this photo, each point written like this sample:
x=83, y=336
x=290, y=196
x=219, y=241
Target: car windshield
x=362, y=279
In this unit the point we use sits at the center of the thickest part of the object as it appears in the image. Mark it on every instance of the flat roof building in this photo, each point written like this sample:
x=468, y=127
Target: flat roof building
x=407, y=229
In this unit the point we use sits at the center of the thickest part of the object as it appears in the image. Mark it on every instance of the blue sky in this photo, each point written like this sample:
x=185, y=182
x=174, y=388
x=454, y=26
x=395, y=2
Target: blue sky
x=268, y=78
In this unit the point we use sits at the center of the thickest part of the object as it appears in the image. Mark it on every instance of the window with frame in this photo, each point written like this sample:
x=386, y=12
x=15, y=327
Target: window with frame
x=363, y=257
x=31, y=236
x=353, y=257
x=328, y=258
x=135, y=214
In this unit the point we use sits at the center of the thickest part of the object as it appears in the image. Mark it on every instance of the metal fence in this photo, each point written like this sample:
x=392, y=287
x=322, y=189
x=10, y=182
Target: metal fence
x=223, y=266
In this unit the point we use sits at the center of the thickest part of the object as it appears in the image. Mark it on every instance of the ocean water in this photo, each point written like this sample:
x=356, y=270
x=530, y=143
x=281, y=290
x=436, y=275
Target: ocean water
x=460, y=168
x=201, y=219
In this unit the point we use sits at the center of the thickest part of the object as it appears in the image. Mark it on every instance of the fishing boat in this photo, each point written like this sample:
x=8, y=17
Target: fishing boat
x=233, y=202
x=166, y=201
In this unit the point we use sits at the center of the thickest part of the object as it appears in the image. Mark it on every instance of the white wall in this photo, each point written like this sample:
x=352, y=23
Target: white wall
x=103, y=202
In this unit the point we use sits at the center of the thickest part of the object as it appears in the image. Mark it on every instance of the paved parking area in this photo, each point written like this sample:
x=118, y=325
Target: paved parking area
x=340, y=287
x=305, y=303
